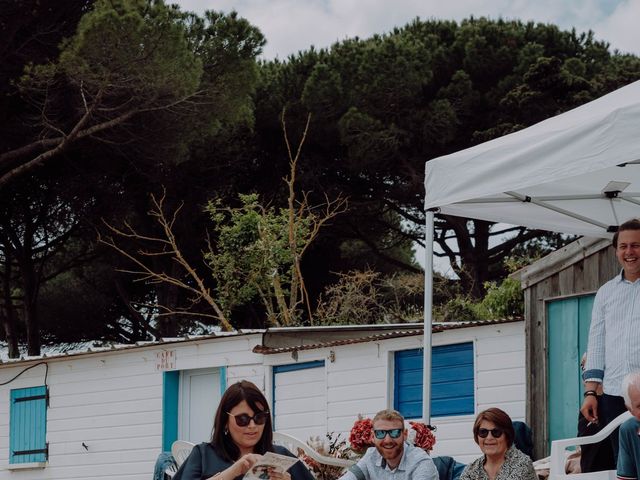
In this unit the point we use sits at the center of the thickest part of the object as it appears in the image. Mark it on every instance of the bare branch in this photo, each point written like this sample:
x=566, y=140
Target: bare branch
x=169, y=243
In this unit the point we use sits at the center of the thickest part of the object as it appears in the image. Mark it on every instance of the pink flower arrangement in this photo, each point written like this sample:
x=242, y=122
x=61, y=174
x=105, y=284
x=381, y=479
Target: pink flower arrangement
x=361, y=435
x=424, y=437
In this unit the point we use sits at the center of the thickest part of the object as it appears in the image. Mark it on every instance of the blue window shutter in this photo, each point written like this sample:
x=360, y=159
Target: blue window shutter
x=452, y=385
x=28, y=425
x=170, y=394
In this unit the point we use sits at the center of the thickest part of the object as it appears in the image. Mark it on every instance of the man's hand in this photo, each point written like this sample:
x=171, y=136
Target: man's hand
x=589, y=408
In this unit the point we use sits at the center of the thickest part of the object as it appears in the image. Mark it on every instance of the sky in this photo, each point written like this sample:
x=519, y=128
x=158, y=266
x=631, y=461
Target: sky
x=294, y=25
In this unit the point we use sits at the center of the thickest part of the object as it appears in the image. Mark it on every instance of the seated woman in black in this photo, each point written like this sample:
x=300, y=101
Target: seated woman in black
x=241, y=434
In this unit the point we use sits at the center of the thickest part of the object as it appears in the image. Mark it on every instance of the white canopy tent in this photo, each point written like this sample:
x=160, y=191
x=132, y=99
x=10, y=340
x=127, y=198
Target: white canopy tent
x=577, y=173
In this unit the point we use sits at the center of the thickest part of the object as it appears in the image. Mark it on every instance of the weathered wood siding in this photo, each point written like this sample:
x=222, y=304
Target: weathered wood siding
x=582, y=272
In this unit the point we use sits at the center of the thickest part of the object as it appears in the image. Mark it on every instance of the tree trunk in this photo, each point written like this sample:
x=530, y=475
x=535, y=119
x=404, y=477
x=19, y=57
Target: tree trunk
x=31, y=320
x=473, y=248
x=8, y=312
x=8, y=318
x=475, y=262
x=139, y=323
x=168, y=297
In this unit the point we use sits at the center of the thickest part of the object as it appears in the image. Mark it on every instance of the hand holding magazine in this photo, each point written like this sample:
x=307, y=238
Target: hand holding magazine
x=270, y=462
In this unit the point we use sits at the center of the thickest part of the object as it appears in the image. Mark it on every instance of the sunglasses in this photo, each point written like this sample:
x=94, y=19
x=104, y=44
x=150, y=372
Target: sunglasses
x=495, y=432
x=243, y=420
x=393, y=433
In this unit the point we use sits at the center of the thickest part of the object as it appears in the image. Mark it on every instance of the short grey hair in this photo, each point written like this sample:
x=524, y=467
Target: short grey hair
x=630, y=380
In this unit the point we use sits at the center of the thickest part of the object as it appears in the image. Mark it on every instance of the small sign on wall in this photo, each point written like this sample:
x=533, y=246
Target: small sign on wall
x=166, y=360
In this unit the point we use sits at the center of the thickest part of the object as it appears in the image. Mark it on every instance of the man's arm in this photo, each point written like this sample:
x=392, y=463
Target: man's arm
x=348, y=475
x=358, y=471
x=594, y=365
x=425, y=470
x=589, y=408
x=628, y=436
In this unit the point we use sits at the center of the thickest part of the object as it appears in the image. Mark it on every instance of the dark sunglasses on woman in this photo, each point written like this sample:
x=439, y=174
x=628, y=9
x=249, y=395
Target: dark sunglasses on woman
x=495, y=432
x=243, y=420
x=393, y=433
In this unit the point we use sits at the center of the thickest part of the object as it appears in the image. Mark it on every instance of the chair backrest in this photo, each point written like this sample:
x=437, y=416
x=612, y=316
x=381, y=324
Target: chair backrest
x=165, y=466
x=558, y=452
x=180, y=450
x=448, y=468
x=293, y=444
x=523, y=438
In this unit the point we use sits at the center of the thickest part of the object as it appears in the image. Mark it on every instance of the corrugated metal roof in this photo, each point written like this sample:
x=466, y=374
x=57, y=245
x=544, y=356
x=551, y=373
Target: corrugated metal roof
x=418, y=330
x=94, y=346
x=382, y=331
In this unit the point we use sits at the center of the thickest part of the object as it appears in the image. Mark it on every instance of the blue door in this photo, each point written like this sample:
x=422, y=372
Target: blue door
x=567, y=332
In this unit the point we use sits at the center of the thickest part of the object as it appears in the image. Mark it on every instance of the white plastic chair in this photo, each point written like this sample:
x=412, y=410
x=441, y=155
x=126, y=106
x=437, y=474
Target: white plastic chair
x=559, y=455
x=180, y=450
x=293, y=444
x=169, y=472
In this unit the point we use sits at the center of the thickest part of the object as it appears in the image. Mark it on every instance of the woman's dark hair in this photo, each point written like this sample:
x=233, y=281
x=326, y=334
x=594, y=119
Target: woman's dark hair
x=235, y=394
x=500, y=419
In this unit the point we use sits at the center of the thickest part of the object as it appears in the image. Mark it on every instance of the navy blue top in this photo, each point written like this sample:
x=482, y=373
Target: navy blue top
x=204, y=462
x=629, y=454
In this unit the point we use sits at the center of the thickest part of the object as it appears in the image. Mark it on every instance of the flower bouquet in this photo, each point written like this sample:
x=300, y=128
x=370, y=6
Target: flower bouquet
x=422, y=436
x=361, y=435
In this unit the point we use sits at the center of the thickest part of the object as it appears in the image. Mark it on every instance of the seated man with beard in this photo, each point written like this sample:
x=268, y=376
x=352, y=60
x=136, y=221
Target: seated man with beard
x=391, y=456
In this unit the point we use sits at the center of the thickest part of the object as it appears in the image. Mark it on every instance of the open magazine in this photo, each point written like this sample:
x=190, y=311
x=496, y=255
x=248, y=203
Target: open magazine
x=270, y=462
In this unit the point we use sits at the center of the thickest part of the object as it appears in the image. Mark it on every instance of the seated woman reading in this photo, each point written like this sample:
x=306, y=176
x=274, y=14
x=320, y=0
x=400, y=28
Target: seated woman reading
x=493, y=432
x=242, y=432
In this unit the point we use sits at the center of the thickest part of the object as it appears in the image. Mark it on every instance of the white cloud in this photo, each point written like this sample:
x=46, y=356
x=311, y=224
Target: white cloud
x=294, y=25
x=620, y=28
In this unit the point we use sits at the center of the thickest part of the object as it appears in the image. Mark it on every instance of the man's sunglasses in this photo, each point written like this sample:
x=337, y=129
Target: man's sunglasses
x=243, y=420
x=495, y=432
x=393, y=433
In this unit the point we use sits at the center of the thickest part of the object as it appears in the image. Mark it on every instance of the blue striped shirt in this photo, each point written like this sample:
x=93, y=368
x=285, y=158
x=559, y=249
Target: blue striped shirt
x=414, y=465
x=614, y=334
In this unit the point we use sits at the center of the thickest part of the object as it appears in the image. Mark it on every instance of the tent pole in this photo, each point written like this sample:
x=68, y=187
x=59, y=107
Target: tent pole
x=428, y=320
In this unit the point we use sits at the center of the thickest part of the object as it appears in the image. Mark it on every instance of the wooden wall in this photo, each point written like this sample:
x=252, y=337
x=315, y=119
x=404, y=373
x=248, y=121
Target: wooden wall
x=574, y=271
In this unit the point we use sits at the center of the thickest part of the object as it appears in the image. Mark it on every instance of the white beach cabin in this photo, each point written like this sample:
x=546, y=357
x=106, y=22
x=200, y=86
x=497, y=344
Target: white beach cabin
x=106, y=413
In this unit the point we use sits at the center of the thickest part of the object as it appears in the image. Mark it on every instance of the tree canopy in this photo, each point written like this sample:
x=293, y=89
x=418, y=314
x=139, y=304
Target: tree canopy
x=383, y=106
x=116, y=94
x=104, y=103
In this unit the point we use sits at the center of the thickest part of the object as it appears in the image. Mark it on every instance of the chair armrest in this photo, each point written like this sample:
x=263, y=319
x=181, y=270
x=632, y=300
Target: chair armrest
x=558, y=447
x=293, y=443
